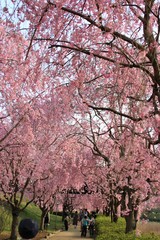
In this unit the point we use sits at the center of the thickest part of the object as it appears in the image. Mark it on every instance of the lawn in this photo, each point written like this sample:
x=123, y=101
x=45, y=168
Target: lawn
x=32, y=212
x=110, y=231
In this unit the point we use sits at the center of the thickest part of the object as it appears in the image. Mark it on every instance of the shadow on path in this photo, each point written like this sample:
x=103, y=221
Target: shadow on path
x=72, y=233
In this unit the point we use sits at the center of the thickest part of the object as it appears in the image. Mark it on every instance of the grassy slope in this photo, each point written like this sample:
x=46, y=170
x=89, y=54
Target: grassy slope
x=30, y=212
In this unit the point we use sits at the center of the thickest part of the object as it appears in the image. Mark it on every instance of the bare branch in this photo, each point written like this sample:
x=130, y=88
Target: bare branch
x=114, y=111
x=11, y=130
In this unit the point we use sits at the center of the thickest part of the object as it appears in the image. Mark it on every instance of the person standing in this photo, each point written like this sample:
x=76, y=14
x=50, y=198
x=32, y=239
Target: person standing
x=84, y=224
x=66, y=222
x=46, y=221
x=92, y=226
x=75, y=219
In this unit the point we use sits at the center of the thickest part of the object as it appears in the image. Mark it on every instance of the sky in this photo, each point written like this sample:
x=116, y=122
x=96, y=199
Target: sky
x=8, y=6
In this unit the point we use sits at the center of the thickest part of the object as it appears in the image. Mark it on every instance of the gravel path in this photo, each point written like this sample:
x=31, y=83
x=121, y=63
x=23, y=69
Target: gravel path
x=68, y=235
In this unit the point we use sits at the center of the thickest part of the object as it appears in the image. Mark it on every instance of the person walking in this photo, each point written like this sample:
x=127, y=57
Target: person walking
x=75, y=219
x=84, y=224
x=66, y=222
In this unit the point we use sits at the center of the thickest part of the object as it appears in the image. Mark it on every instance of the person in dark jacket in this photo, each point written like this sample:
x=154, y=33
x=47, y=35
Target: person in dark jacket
x=75, y=219
x=46, y=221
x=66, y=222
x=84, y=225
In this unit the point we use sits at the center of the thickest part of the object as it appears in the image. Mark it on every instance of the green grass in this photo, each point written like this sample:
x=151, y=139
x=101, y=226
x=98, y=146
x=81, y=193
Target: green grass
x=35, y=213
x=32, y=212
x=112, y=231
x=5, y=218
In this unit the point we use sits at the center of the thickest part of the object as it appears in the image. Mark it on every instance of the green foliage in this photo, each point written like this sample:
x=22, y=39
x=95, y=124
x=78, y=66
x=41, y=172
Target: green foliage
x=111, y=231
x=5, y=217
x=152, y=215
x=35, y=213
x=31, y=211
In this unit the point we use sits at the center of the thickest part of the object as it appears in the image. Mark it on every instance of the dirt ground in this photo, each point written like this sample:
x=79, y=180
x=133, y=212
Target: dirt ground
x=40, y=235
x=75, y=233
x=72, y=233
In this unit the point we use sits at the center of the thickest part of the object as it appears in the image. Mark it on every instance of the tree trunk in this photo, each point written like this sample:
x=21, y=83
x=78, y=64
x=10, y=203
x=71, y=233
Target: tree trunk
x=113, y=209
x=107, y=211
x=130, y=222
x=128, y=202
x=135, y=218
x=42, y=220
x=15, y=215
x=64, y=212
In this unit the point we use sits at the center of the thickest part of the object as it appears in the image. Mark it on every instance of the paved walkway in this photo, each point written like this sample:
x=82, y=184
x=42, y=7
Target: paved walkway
x=68, y=235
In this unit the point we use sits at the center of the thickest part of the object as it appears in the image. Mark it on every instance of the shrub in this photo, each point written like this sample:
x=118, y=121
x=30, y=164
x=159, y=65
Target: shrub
x=110, y=231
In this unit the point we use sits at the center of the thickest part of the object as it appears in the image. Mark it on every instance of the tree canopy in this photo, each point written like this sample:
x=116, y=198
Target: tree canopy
x=80, y=96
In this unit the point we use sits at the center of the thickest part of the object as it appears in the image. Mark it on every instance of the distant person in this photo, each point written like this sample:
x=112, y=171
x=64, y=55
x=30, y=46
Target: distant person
x=84, y=224
x=81, y=215
x=75, y=219
x=86, y=212
x=92, y=226
x=66, y=222
x=46, y=221
x=28, y=228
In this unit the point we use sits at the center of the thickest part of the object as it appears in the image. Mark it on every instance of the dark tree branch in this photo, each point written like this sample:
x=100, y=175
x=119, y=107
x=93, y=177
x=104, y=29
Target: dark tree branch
x=101, y=27
x=114, y=111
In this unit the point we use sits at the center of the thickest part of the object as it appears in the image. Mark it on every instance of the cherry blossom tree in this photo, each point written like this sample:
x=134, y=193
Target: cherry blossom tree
x=127, y=171
x=18, y=80
x=20, y=174
x=45, y=199
x=106, y=56
x=23, y=123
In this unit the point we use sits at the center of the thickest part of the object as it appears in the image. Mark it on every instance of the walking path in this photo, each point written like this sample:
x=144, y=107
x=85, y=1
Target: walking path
x=72, y=233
